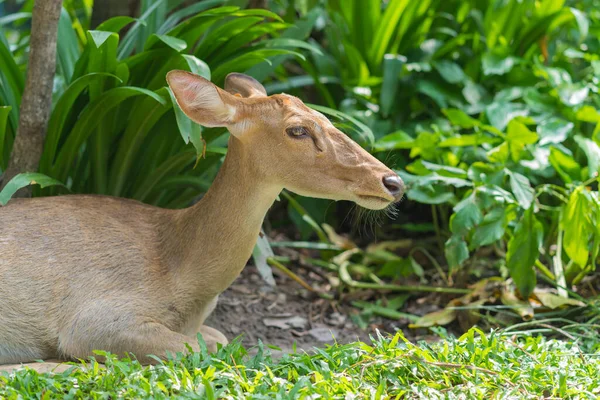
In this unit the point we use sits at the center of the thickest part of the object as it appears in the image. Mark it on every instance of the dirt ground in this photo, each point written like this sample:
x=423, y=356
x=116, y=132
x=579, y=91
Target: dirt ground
x=288, y=314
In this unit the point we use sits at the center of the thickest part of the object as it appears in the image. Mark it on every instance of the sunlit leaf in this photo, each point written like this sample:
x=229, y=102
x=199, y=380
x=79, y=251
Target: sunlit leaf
x=523, y=250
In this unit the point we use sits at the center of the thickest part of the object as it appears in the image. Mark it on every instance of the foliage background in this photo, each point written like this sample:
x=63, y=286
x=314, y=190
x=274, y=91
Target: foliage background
x=487, y=109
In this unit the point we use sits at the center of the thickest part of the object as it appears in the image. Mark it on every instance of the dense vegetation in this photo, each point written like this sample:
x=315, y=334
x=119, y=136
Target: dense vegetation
x=488, y=109
x=473, y=366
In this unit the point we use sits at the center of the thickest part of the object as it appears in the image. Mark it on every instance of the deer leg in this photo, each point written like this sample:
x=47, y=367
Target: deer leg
x=141, y=340
x=212, y=336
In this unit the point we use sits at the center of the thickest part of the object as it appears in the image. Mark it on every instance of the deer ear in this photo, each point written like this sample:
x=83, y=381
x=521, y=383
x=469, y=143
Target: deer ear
x=244, y=86
x=202, y=101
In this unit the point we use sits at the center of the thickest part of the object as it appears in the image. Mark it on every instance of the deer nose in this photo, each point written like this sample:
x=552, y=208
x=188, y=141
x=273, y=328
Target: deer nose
x=394, y=185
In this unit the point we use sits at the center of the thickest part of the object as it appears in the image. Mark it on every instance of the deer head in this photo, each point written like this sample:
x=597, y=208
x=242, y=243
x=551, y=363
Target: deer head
x=285, y=142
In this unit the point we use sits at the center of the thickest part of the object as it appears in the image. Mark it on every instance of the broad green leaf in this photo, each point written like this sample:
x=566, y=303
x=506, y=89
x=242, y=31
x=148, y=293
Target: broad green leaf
x=466, y=215
x=521, y=188
x=496, y=64
x=392, y=67
x=460, y=118
x=582, y=22
x=197, y=66
x=115, y=24
x=100, y=37
x=500, y=113
x=568, y=169
x=588, y=114
x=592, y=152
x=67, y=49
x=23, y=180
x=395, y=140
x=573, y=94
x=456, y=252
x=499, y=154
x=577, y=225
x=421, y=167
x=467, y=140
x=518, y=136
x=490, y=230
x=430, y=194
x=189, y=130
x=176, y=44
x=450, y=71
x=523, y=251
x=554, y=130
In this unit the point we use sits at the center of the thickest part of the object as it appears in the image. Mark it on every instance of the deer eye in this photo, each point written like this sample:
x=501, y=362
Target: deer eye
x=297, y=132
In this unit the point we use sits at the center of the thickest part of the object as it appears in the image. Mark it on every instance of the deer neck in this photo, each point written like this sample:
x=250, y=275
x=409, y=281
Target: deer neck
x=220, y=231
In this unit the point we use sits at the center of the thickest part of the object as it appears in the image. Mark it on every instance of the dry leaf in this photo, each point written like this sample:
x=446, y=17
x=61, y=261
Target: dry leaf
x=436, y=318
x=553, y=301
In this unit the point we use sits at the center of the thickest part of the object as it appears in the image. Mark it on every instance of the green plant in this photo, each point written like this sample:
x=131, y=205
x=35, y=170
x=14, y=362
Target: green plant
x=108, y=131
x=474, y=364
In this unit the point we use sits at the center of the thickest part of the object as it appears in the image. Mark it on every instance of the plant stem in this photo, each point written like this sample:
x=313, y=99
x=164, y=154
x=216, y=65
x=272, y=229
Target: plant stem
x=274, y=263
x=436, y=226
x=347, y=279
x=544, y=270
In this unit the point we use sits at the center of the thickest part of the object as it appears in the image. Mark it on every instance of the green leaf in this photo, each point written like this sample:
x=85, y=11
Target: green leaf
x=521, y=188
x=500, y=113
x=523, y=251
x=592, y=152
x=189, y=130
x=176, y=44
x=577, y=225
x=568, y=169
x=115, y=24
x=430, y=194
x=450, y=71
x=554, y=130
x=460, y=118
x=262, y=251
x=23, y=180
x=67, y=49
x=4, y=113
x=490, y=230
x=395, y=140
x=496, y=64
x=392, y=67
x=456, y=251
x=100, y=37
x=518, y=136
x=466, y=215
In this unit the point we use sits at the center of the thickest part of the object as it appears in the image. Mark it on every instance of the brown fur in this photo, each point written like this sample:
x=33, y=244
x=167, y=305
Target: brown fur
x=79, y=273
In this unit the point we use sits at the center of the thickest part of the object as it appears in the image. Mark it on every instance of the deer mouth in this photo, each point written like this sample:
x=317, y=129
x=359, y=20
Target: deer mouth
x=378, y=198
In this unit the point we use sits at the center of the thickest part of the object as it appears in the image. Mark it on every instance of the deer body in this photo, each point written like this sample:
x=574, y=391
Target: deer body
x=79, y=273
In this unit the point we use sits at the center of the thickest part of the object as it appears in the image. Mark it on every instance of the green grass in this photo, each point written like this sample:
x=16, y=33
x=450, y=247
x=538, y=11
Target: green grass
x=473, y=366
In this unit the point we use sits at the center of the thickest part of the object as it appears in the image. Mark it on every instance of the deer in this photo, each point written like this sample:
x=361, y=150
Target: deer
x=80, y=273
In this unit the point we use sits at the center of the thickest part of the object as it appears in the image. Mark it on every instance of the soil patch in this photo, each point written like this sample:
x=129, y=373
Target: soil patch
x=286, y=314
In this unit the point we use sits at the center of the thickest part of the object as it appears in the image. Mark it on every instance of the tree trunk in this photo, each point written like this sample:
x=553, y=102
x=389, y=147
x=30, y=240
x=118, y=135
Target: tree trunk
x=258, y=4
x=106, y=9
x=36, y=102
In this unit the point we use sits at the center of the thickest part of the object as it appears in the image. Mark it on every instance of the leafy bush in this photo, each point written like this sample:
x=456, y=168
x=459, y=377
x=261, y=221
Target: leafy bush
x=108, y=132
